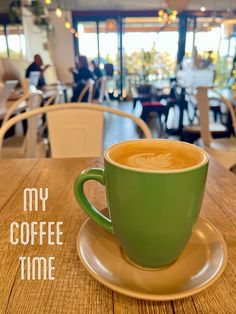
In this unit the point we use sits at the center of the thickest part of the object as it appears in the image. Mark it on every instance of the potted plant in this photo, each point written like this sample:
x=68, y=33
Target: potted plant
x=147, y=62
x=39, y=11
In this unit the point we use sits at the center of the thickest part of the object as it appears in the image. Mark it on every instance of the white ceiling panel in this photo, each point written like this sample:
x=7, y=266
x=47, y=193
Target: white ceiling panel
x=131, y=4
x=145, y=4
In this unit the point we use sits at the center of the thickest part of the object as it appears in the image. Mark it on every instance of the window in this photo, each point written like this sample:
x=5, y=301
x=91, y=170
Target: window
x=88, y=39
x=3, y=43
x=16, y=41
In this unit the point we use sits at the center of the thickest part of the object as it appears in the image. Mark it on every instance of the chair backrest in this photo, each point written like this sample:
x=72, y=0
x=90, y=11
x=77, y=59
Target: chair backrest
x=230, y=108
x=102, y=89
x=14, y=106
x=33, y=101
x=25, y=85
x=101, y=84
x=203, y=107
x=6, y=91
x=74, y=132
x=87, y=88
x=34, y=78
x=69, y=133
x=109, y=69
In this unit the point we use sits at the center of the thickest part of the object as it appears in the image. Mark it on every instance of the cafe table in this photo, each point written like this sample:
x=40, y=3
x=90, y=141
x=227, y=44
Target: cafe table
x=74, y=290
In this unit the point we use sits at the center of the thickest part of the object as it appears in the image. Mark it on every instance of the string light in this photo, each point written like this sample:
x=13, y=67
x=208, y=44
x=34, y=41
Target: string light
x=48, y=1
x=58, y=12
x=167, y=16
x=72, y=30
x=203, y=9
x=67, y=24
x=76, y=34
x=110, y=25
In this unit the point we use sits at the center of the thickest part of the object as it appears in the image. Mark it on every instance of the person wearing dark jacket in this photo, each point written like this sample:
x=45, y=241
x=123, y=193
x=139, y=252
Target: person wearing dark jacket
x=81, y=75
x=97, y=73
x=37, y=66
x=96, y=70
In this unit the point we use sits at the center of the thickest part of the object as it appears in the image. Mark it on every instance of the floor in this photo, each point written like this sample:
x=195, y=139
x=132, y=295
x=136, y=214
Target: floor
x=119, y=129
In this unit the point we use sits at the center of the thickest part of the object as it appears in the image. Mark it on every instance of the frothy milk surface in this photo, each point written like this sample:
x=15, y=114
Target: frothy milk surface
x=159, y=155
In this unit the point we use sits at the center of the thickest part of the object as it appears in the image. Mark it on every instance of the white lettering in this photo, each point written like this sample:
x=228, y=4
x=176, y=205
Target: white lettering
x=43, y=199
x=30, y=192
x=41, y=232
x=51, y=268
x=14, y=223
x=22, y=259
x=59, y=233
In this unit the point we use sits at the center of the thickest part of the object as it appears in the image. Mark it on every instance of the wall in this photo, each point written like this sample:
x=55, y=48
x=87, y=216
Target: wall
x=36, y=38
x=58, y=51
x=62, y=47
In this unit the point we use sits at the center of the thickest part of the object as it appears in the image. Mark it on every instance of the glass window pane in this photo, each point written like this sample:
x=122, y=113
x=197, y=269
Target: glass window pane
x=108, y=41
x=146, y=35
x=88, y=39
x=3, y=44
x=108, y=44
x=16, y=41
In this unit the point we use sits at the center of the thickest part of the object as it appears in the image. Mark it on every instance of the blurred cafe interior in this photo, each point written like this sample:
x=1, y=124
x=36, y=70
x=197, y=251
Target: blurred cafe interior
x=170, y=64
x=77, y=76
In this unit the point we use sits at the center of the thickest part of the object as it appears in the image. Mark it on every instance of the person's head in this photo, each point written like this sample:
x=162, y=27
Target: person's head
x=82, y=62
x=38, y=60
x=94, y=64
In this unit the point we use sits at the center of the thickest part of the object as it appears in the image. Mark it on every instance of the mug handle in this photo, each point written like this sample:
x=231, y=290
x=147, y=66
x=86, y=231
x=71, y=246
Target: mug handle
x=97, y=175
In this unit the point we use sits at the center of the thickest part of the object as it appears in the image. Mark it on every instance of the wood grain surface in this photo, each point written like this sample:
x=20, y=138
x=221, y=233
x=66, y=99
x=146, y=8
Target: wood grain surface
x=74, y=290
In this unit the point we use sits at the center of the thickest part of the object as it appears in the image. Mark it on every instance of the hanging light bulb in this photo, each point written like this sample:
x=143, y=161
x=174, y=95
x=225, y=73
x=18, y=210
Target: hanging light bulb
x=48, y=1
x=67, y=24
x=76, y=34
x=58, y=12
x=110, y=25
x=72, y=30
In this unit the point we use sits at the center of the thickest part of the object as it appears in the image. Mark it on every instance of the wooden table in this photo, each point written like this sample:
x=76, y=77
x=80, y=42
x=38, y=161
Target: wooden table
x=74, y=290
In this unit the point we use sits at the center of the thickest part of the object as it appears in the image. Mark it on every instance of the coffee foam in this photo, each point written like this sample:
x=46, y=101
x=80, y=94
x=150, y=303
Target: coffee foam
x=157, y=155
x=150, y=161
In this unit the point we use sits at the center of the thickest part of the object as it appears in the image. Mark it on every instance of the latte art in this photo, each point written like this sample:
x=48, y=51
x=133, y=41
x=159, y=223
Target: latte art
x=151, y=161
x=156, y=155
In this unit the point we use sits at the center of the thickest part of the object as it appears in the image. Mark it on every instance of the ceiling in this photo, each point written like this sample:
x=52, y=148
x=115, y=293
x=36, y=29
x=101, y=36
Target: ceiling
x=140, y=4
x=77, y=5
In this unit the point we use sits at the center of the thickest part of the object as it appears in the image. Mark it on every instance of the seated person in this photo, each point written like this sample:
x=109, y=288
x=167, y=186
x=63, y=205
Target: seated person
x=81, y=75
x=109, y=69
x=97, y=73
x=36, y=66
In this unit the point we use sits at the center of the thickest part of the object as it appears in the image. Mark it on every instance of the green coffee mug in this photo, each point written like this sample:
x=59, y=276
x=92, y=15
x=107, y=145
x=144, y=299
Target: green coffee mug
x=154, y=191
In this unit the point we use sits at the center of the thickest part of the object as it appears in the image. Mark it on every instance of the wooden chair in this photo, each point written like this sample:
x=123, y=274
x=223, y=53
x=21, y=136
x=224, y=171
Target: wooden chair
x=102, y=91
x=24, y=146
x=223, y=149
x=75, y=130
x=192, y=131
x=25, y=85
x=10, y=111
x=6, y=91
x=87, y=88
x=55, y=97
